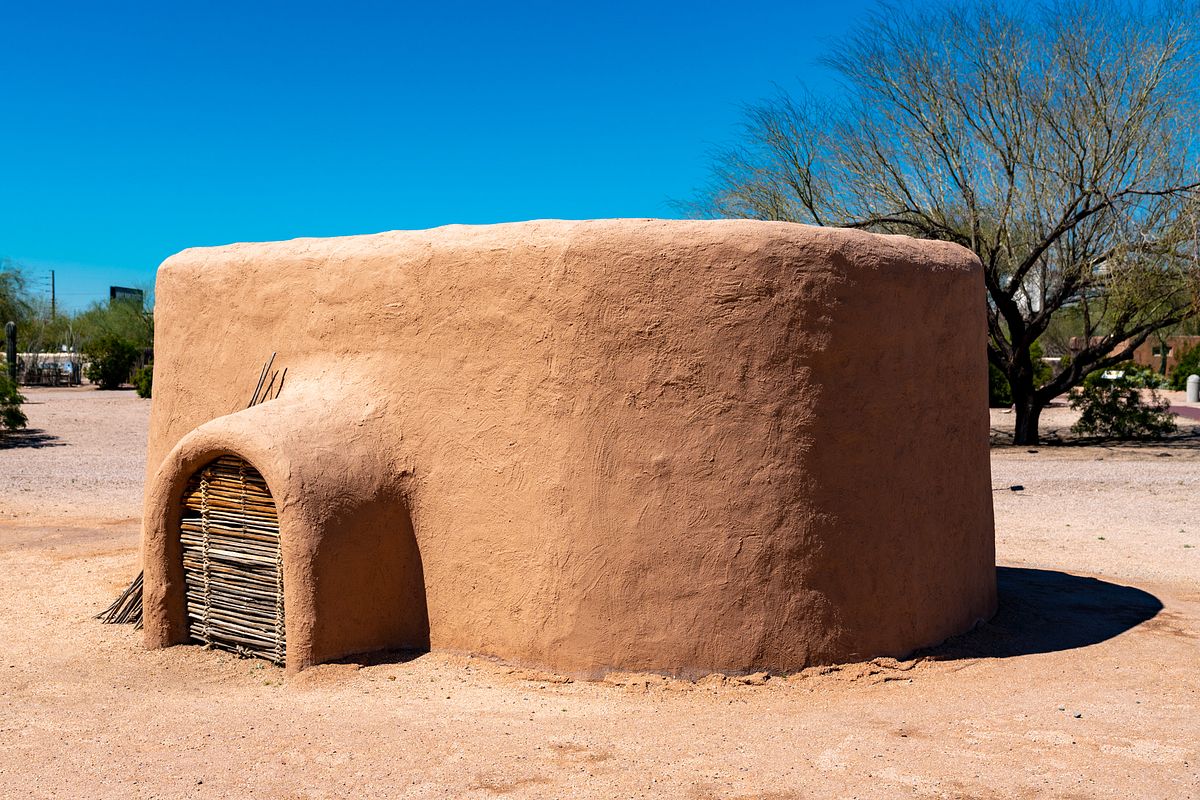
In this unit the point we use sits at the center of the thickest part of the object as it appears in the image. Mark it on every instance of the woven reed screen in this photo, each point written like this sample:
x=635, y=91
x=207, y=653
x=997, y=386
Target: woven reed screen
x=232, y=566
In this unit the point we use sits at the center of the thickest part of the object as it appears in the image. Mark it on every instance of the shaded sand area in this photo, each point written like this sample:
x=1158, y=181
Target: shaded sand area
x=1085, y=685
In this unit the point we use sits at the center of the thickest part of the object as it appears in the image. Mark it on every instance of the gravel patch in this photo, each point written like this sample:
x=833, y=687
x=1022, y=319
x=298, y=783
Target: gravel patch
x=83, y=456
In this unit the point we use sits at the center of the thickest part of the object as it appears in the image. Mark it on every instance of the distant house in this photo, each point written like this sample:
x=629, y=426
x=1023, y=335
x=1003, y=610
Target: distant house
x=1150, y=352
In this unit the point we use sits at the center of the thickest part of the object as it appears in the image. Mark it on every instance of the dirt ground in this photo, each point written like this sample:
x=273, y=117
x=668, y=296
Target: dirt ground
x=1086, y=684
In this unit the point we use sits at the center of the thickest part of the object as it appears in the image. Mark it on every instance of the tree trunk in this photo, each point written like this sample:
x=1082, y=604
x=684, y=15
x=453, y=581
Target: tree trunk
x=1024, y=394
x=1028, y=412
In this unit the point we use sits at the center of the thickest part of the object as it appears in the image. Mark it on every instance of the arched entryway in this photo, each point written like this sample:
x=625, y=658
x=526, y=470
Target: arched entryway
x=232, y=562
x=311, y=552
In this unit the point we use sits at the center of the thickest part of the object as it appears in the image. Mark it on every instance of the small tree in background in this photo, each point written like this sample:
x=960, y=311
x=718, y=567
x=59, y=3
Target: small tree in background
x=143, y=381
x=999, y=392
x=11, y=415
x=124, y=319
x=113, y=336
x=110, y=359
x=1187, y=364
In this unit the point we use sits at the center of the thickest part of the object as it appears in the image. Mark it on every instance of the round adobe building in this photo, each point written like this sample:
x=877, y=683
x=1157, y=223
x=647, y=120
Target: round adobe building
x=671, y=446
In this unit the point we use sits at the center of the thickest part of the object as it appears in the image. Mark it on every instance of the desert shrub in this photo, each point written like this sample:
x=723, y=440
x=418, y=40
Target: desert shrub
x=1187, y=364
x=11, y=415
x=110, y=360
x=1116, y=408
x=1140, y=376
x=143, y=379
x=999, y=392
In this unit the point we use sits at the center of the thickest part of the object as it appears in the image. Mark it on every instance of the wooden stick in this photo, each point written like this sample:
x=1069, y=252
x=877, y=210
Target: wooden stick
x=126, y=609
x=267, y=391
x=263, y=376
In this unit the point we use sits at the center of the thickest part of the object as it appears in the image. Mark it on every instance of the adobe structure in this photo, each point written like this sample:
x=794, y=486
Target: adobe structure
x=671, y=446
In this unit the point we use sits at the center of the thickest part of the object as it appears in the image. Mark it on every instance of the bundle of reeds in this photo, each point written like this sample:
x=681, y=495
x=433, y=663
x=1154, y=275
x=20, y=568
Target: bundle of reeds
x=261, y=393
x=126, y=609
x=232, y=562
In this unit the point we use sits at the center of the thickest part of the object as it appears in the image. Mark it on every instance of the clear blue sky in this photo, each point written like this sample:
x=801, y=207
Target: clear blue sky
x=131, y=131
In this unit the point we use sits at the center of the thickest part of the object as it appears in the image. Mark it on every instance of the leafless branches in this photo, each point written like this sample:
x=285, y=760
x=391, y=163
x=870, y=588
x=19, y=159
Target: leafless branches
x=1059, y=145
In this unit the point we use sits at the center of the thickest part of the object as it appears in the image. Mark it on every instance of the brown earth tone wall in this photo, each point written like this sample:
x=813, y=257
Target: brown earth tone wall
x=1149, y=352
x=624, y=444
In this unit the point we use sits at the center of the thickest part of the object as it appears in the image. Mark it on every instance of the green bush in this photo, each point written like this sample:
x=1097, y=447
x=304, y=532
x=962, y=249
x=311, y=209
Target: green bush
x=1115, y=408
x=1187, y=364
x=999, y=391
x=110, y=360
x=143, y=379
x=1137, y=375
x=11, y=415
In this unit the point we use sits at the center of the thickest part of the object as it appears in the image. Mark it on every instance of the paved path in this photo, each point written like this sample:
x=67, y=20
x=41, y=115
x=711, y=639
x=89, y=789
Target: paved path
x=1191, y=412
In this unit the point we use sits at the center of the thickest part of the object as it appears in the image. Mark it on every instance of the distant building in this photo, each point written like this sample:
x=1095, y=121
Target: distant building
x=1150, y=352
x=49, y=369
x=127, y=294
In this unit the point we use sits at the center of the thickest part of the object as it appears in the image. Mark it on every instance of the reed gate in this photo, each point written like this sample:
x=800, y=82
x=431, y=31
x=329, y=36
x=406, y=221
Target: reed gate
x=232, y=562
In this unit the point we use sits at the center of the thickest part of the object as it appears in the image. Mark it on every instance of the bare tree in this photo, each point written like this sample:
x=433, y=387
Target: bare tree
x=1057, y=144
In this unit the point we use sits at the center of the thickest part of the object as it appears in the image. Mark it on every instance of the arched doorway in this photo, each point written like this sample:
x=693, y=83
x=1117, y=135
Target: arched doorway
x=232, y=562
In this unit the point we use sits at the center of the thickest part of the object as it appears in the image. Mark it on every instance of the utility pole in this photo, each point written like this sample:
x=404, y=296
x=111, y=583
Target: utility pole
x=52, y=308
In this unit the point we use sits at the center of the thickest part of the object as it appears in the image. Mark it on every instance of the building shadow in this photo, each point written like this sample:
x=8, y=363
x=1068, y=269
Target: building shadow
x=1040, y=611
x=1044, y=611
x=1052, y=438
x=382, y=657
x=29, y=438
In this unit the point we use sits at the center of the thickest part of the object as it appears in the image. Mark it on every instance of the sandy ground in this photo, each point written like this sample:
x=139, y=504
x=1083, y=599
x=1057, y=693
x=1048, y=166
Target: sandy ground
x=1087, y=683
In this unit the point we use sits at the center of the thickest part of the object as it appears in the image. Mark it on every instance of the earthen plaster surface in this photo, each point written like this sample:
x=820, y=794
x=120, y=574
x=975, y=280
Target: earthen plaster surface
x=634, y=444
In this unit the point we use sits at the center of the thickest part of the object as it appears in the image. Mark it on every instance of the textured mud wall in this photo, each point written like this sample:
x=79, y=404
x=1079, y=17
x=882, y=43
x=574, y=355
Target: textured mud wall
x=673, y=446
